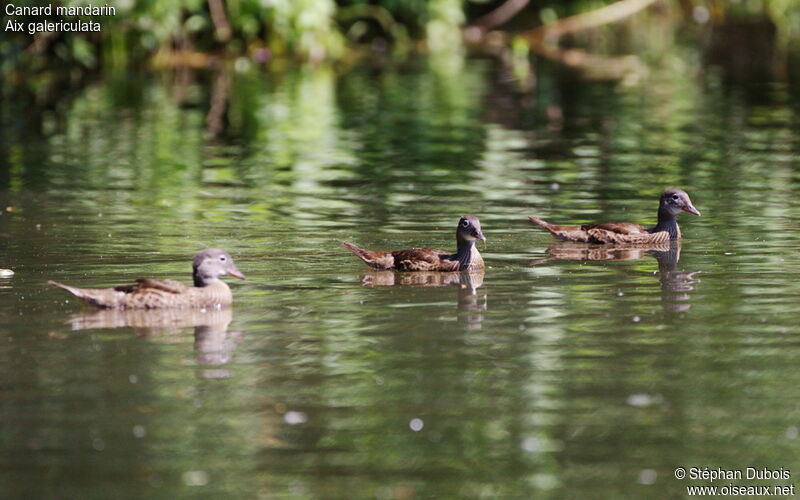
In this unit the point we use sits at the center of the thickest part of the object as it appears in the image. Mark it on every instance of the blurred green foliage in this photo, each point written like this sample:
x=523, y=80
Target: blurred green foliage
x=313, y=30
x=302, y=29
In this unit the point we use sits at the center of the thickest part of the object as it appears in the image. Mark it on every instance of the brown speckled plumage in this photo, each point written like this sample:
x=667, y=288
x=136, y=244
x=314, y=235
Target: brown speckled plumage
x=672, y=202
x=208, y=290
x=466, y=257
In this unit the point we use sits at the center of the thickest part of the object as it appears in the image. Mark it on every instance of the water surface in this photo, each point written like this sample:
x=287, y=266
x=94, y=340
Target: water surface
x=550, y=374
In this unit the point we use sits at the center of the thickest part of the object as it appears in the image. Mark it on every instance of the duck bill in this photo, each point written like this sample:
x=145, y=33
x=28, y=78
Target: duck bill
x=480, y=236
x=236, y=273
x=690, y=208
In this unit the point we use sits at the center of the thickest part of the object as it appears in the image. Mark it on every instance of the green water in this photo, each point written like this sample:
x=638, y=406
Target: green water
x=539, y=377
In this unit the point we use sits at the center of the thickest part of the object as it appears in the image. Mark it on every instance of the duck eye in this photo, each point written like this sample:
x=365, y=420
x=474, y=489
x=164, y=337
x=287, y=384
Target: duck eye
x=674, y=196
x=465, y=223
x=222, y=258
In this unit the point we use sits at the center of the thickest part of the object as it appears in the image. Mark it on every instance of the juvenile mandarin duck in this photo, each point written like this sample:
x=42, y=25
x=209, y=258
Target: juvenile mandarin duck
x=466, y=257
x=673, y=202
x=208, y=290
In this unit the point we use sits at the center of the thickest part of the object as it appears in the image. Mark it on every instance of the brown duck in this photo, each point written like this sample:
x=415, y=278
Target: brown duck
x=673, y=202
x=208, y=290
x=466, y=257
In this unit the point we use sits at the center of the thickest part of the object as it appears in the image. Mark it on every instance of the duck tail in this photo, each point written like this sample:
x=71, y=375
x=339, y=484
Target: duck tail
x=544, y=224
x=89, y=296
x=378, y=260
x=71, y=289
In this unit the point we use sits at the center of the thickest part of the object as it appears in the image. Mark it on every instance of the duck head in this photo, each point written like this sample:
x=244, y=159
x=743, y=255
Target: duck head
x=675, y=201
x=211, y=264
x=469, y=229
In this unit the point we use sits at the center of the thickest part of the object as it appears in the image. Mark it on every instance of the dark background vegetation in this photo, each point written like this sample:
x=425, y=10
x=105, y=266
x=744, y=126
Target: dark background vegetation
x=748, y=37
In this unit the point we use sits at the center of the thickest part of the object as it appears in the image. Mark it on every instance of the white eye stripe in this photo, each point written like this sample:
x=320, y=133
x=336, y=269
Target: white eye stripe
x=465, y=223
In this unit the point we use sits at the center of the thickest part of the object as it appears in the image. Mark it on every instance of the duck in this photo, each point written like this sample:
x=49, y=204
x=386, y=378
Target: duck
x=466, y=257
x=146, y=293
x=671, y=203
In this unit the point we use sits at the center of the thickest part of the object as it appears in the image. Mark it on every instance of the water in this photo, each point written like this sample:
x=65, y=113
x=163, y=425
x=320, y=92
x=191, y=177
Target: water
x=549, y=374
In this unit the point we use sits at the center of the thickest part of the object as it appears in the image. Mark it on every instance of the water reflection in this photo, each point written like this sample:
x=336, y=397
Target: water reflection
x=584, y=251
x=5, y=278
x=213, y=343
x=675, y=283
x=470, y=303
x=576, y=364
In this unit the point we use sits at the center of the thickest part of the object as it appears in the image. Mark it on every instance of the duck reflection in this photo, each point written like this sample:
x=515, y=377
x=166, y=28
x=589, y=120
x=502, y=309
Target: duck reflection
x=470, y=303
x=584, y=251
x=213, y=343
x=675, y=283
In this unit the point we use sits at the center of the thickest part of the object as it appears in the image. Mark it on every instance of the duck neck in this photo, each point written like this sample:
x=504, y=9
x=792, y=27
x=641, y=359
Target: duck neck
x=464, y=253
x=667, y=222
x=201, y=281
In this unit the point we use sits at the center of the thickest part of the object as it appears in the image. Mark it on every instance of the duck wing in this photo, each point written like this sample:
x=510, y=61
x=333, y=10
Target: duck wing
x=617, y=227
x=170, y=286
x=144, y=294
x=606, y=233
x=150, y=293
x=424, y=259
x=621, y=232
